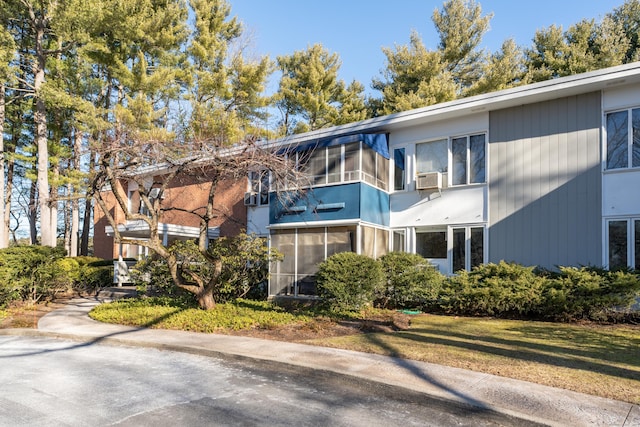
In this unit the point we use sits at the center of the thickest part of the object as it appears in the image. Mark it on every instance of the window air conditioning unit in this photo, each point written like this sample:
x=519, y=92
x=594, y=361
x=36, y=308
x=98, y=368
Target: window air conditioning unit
x=429, y=181
x=250, y=199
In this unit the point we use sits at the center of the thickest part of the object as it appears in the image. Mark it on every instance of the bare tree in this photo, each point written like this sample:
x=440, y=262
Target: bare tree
x=214, y=165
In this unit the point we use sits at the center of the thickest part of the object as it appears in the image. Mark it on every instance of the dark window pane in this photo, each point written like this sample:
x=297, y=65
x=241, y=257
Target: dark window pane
x=432, y=244
x=617, y=137
x=459, y=160
x=459, y=250
x=617, y=244
x=398, y=171
x=264, y=187
x=477, y=246
x=477, y=162
x=635, y=158
x=637, y=244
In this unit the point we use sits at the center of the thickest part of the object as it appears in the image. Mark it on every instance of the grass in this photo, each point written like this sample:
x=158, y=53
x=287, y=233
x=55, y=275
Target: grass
x=168, y=314
x=601, y=360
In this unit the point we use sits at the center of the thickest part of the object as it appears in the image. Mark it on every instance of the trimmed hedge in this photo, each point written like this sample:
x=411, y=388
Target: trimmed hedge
x=349, y=282
x=411, y=282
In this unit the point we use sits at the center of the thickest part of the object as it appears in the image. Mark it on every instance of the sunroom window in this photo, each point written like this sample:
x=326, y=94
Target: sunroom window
x=345, y=163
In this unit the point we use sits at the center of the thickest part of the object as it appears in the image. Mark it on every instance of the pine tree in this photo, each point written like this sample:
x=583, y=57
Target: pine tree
x=311, y=96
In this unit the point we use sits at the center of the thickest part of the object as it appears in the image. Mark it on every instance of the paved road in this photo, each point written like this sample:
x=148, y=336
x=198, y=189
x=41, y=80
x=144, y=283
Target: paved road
x=53, y=382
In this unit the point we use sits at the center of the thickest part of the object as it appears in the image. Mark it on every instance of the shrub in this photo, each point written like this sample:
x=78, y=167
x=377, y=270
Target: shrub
x=411, y=282
x=30, y=273
x=494, y=290
x=349, y=282
x=589, y=293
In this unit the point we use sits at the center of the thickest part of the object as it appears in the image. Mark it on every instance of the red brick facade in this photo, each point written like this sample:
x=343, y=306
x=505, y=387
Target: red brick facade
x=186, y=194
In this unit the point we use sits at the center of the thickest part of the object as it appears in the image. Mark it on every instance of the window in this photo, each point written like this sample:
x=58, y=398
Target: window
x=432, y=157
x=398, y=170
x=468, y=159
x=432, y=244
x=398, y=241
x=345, y=163
x=623, y=243
x=259, y=184
x=374, y=242
x=467, y=248
x=623, y=139
x=302, y=250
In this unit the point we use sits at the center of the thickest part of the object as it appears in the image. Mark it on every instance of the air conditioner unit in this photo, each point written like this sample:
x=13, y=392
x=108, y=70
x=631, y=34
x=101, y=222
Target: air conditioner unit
x=250, y=199
x=429, y=181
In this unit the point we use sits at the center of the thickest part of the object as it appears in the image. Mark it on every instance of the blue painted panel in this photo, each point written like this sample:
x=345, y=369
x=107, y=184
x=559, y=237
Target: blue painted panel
x=335, y=202
x=374, y=205
x=330, y=203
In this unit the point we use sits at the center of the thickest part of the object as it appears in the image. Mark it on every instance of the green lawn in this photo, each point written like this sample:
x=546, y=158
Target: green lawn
x=602, y=360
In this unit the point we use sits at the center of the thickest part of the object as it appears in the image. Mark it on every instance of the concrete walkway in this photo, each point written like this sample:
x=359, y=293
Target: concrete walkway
x=533, y=402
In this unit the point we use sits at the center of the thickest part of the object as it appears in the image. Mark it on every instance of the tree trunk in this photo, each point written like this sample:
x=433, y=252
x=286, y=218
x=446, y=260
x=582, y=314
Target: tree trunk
x=75, y=203
x=86, y=220
x=6, y=221
x=4, y=232
x=33, y=213
x=47, y=223
x=205, y=300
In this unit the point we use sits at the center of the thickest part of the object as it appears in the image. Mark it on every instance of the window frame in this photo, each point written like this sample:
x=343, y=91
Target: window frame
x=257, y=180
x=378, y=176
x=632, y=241
x=468, y=232
x=399, y=173
x=631, y=112
x=468, y=159
x=450, y=168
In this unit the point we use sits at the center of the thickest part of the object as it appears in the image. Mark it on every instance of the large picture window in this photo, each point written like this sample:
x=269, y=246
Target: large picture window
x=623, y=139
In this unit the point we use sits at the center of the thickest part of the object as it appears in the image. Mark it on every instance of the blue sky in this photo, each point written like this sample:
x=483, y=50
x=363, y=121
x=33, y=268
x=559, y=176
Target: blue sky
x=358, y=29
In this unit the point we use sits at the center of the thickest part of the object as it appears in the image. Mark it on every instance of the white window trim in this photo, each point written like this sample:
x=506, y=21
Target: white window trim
x=605, y=145
x=631, y=247
x=467, y=244
x=468, y=136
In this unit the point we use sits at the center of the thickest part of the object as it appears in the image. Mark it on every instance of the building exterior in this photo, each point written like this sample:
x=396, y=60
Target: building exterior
x=183, y=193
x=546, y=174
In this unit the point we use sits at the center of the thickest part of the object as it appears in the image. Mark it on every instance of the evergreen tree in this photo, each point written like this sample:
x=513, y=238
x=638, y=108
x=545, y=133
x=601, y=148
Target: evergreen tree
x=503, y=69
x=310, y=95
x=461, y=26
x=414, y=77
